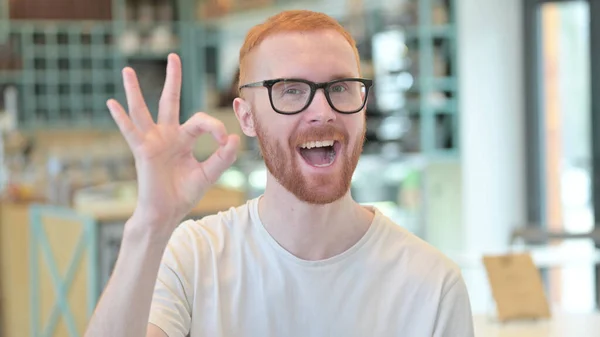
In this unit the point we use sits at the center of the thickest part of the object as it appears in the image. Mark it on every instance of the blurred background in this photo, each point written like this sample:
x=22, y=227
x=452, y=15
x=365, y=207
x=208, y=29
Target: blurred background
x=483, y=134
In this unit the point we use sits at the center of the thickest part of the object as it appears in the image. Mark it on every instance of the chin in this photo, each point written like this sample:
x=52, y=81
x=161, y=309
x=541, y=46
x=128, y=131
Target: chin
x=320, y=189
x=321, y=196
x=321, y=199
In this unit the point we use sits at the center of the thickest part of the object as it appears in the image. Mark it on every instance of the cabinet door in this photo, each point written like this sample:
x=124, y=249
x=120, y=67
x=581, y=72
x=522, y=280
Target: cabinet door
x=14, y=270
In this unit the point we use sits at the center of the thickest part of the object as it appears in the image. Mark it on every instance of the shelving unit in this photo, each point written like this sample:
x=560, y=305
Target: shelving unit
x=435, y=87
x=67, y=73
x=146, y=35
x=69, y=69
x=435, y=115
x=66, y=70
x=427, y=30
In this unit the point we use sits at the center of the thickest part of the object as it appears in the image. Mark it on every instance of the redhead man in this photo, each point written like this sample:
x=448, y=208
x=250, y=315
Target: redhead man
x=303, y=259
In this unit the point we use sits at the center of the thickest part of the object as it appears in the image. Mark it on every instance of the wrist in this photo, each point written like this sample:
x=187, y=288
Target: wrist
x=148, y=229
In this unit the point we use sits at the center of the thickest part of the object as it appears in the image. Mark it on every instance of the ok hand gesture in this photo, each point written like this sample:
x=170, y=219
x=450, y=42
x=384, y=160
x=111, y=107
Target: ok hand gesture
x=170, y=180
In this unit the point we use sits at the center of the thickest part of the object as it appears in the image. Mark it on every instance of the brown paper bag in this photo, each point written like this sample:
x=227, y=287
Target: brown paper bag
x=517, y=287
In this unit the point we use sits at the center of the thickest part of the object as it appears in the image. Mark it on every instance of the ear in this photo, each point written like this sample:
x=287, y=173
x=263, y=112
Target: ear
x=243, y=112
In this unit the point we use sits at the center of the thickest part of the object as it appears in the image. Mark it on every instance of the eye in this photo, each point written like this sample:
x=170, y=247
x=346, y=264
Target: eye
x=337, y=88
x=292, y=91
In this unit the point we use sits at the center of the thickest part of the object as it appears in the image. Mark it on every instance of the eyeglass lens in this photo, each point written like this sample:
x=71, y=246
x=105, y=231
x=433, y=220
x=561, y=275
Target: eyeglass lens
x=292, y=96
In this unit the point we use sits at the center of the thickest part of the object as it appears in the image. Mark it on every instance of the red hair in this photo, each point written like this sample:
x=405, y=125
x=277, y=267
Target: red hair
x=290, y=21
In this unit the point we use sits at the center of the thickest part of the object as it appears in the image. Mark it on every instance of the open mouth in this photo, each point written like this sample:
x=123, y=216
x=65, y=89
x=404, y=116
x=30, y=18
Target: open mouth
x=319, y=153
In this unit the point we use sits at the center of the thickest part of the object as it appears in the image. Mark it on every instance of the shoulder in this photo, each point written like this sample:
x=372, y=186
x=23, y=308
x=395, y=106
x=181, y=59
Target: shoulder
x=412, y=255
x=421, y=271
x=214, y=230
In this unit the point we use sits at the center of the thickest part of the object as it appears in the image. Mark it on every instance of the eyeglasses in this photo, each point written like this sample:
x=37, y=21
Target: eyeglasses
x=292, y=96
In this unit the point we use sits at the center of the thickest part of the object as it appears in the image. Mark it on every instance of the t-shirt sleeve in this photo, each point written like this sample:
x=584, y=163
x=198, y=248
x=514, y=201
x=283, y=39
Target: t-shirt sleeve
x=171, y=309
x=454, y=314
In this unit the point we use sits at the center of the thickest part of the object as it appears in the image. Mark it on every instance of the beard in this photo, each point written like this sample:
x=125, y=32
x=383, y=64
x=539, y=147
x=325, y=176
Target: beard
x=318, y=189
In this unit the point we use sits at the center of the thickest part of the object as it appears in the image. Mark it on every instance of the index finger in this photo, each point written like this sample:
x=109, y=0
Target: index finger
x=126, y=126
x=168, y=106
x=201, y=123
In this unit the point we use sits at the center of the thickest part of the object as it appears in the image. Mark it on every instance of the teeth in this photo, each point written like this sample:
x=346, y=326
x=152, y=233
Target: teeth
x=322, y=143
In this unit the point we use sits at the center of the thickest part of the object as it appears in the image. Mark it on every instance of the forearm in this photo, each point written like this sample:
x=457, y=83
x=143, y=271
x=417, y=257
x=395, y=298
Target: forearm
x=124, y=307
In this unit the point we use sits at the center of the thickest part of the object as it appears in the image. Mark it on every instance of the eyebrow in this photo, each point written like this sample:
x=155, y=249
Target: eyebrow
x=340, y=76
x=331, y=78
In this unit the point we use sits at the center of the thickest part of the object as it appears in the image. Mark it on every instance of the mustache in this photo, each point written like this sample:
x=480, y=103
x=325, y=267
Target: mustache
x=320, y=132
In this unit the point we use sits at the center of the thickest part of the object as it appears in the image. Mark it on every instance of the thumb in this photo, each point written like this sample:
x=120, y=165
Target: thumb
x=221, y=160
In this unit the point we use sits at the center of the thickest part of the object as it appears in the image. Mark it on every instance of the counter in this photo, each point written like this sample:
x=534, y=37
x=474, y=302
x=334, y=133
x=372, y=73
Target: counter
x=561, y=325
x=44, y=248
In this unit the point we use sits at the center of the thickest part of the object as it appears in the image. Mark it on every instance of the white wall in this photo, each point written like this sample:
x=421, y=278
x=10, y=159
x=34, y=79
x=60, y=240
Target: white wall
x=490, y=55
x=492, y=120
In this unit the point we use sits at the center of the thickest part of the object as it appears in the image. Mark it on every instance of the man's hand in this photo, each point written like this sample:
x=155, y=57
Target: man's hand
x=170, y=180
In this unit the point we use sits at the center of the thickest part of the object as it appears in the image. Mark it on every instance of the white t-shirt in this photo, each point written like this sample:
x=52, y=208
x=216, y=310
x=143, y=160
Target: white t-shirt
x=225, y=276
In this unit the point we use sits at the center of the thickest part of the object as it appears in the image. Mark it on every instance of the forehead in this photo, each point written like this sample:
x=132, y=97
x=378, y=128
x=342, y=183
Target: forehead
x=316, y=56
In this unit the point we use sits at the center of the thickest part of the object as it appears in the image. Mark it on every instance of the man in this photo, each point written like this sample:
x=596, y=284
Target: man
x=304, y=259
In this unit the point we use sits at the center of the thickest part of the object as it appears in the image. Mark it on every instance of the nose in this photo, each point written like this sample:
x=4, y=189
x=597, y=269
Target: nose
x=319, y=110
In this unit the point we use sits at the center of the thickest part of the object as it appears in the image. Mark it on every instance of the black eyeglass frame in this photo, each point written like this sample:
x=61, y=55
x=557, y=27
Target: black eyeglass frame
x=313, y=89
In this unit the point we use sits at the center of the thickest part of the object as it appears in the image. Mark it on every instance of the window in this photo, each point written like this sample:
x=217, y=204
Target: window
x=562, y=132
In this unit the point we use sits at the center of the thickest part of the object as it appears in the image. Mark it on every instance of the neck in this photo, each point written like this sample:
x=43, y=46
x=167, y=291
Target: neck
x=312, y=232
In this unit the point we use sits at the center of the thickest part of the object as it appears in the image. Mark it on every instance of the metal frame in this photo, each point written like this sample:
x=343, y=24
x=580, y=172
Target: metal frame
x=534, y=155
x=595, y=119
x=595, y=90
x=61, y=284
